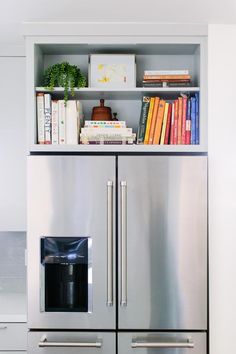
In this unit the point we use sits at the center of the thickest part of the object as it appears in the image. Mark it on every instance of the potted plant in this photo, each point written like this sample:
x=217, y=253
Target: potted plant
x=64, y=75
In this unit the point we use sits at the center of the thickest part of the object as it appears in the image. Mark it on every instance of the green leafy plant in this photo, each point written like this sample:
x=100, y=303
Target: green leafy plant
x=64, y=75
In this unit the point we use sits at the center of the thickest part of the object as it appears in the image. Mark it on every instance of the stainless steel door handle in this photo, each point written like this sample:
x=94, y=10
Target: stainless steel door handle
x=123, y=243
x=45, y=344
x=109, y=243
x=184, y=344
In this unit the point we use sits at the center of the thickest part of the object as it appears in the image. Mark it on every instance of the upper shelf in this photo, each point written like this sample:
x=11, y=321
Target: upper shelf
x=123, y=94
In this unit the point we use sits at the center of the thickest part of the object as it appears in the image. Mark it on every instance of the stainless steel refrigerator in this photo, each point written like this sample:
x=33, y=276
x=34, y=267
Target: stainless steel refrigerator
x=117, y=254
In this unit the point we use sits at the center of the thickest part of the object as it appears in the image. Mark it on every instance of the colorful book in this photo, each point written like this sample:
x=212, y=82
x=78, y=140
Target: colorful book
x=197, y=117
x=149, y=119
x=107, y=131
x=166, y=77
x=184, y=119
x=172, y=124
x=143, y=119
x=175, y=136
x=188, y=124
x=163, y=131
x=40, y=117
x=168, y=125
x=193, y=120
x=180, y=117
x=159, y=121
x=62, y=121
x=166, y=72
x=71, y=123
x=55, y=122
x=153, y=121
x=47, y=119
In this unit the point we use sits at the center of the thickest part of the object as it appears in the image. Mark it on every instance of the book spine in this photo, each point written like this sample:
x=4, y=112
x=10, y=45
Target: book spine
x=62, y=121
x=188, y=124
x=143, y=120
x=175, y=137
x=104, y=124
x=197, y=117
x=40, y=117
x=110, y=131
x=180, y=117
x=47, y=119
x=80, y=116
x=168, y=124
x=55, y=122
x=107, y=142
x=163, y=132
x=184, y=120
x=159, y=122
x=153, y=121
x=166, y=72
x=149, y=118
x=167, y=77
x=193, y=120
x=71, y=123
x=172, y=124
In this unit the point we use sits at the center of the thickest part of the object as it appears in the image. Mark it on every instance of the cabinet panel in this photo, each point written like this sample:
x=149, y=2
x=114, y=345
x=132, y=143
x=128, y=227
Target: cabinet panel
x=13, y=336
x=12, y=144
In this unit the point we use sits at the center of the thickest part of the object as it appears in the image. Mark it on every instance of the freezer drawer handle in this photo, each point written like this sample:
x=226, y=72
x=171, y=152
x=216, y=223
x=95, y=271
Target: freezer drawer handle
x=109, y=243
x=123, y=243
x=45, y=344
x=3, y=327
x=186, y=344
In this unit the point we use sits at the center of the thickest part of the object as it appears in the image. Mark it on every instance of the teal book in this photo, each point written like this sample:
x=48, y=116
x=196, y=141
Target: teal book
x=143, y=119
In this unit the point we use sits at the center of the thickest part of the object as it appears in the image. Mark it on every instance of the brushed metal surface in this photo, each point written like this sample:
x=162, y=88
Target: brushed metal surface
x=71, y=342
x=67, y=196
x=162, y=343
x=166, y=242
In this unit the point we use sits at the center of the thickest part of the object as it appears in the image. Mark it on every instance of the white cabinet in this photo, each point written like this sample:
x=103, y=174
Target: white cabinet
x=12, y=144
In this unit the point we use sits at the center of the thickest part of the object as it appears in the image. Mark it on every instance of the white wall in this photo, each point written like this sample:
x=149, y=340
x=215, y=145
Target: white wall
x=222, y=187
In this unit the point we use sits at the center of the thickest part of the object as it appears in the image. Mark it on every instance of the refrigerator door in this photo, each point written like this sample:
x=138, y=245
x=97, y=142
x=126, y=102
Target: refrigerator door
x=71, y=252
x=162, y=343
x=163, y=242
x=71, y=343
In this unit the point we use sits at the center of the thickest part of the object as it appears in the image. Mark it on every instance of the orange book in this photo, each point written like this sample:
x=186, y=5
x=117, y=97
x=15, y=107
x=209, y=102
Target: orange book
x=180, y=117
x=153, y=121
x=163, y=132
x=159, y=120
x=149, y=118
x=166, y=77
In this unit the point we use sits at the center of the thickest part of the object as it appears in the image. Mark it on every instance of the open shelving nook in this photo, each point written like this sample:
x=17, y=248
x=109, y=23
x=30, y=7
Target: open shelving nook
x=152, y=52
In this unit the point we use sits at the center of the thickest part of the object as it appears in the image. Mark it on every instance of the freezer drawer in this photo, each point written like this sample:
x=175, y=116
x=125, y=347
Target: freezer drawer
x=162, y=343
x=163, y=242
x=13, y=336
x=71, y=343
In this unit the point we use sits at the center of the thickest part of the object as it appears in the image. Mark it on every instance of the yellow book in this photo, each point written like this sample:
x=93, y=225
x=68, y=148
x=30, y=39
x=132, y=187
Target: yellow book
x=163, y=132
x=149, y=118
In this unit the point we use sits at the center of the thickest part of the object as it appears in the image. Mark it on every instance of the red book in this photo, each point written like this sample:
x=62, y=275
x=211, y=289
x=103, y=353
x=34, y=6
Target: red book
x=175, y=137
x=184, y=120
x=168, y=124
x=188, y=124
x=180, y=117
x=172, y=124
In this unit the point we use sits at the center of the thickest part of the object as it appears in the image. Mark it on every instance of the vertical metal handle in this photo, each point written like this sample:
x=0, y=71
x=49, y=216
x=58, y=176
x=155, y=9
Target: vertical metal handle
x=109, y=243
x=123, y=243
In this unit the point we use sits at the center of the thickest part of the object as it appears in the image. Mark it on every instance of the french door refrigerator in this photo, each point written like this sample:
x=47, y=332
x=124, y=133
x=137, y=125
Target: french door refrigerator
x=117, y=254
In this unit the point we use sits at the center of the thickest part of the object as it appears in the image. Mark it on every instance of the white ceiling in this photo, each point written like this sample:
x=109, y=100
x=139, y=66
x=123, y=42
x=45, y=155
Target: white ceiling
x=13, y=12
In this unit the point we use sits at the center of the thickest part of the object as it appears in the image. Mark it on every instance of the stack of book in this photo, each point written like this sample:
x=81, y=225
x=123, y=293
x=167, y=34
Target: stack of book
x=169, y=122
x=106, y=132
x=166, y=78
x=58, y=122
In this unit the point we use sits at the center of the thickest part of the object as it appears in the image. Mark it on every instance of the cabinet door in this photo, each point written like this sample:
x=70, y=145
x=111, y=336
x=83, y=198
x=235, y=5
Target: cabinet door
x=71, y=343
x=163, y=242
x=71, y=275
x=12, y=144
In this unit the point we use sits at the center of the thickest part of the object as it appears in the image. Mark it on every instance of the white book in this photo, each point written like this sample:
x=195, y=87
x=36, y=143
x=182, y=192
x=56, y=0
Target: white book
x=40, y=117
x=55, y=122
x=166, y=72
x=71, y=123
x=80, y=116
x=62, y=121
x=107, y=131
x=104, y=124
x=47, y=119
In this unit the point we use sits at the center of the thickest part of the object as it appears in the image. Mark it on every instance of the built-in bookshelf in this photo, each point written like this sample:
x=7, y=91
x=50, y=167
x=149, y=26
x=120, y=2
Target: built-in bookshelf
x=170, y=52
